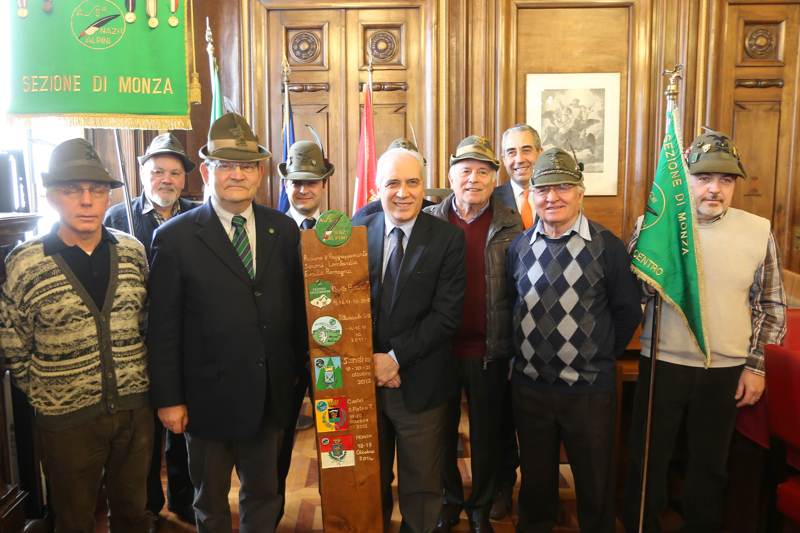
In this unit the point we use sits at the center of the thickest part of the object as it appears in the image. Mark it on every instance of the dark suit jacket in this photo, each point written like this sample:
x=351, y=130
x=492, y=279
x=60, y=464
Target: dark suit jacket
x=144, y=225
x=427, y=306
x=505, y=194
x=228, y=347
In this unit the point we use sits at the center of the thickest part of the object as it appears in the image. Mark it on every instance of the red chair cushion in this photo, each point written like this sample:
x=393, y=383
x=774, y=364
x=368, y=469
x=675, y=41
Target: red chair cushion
x=789, y=499
x=783, y=377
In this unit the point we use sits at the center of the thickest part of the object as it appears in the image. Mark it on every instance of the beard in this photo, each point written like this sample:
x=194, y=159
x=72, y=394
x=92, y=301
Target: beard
x=163, y=197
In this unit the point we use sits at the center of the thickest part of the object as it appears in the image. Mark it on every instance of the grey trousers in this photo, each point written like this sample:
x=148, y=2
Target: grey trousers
x=255, y=460
x=419, y=441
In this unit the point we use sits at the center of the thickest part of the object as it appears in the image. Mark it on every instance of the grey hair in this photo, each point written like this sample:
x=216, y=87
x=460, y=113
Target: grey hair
x=537, y=141
x=388, y=155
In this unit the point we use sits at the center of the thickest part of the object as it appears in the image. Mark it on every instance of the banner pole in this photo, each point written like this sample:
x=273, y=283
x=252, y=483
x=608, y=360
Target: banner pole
x=124, y=177
x=671, y=92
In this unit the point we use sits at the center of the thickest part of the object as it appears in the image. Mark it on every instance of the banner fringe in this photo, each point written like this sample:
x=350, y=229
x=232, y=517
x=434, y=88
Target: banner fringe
x=110, y=121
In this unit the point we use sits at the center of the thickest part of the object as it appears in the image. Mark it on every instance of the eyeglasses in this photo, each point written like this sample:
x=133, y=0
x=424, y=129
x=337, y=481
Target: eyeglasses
x=227, y=167
x=561, y=188
x=73, y=191
x=161, y=173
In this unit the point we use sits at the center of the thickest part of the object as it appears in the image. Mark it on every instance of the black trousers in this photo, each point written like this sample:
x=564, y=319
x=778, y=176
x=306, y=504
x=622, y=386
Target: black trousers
x=255, y=459
x=484, y=389
x=705, y=398
x=180, y=492
x=509, y=449
x=418, y=440
x=585, y=423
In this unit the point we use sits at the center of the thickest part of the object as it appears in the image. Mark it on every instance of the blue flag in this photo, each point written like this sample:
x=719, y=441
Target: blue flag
x=288, y=140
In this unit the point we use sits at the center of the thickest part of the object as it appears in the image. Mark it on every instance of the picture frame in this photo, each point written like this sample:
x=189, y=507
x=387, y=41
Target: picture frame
x=579, y=112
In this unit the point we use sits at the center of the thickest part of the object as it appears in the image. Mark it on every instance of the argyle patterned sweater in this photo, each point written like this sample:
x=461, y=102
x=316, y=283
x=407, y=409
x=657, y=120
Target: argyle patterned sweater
x=72, y=360
x=575, y=308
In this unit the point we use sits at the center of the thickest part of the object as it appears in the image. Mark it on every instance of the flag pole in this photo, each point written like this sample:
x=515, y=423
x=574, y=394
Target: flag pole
x=124, y=177
x=366, y=144
x=671, y=92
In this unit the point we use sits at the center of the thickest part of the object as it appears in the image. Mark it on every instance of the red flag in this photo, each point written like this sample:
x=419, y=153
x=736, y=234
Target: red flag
x=365, y=189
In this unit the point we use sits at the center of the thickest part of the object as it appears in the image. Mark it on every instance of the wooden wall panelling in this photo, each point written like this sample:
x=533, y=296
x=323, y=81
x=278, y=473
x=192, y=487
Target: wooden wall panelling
x=564, y=37
x=224, y=17
x=756, y=102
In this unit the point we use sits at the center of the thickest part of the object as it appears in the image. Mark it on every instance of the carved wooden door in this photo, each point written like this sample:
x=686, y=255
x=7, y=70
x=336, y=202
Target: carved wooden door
x=756, y=103
x=327, y=51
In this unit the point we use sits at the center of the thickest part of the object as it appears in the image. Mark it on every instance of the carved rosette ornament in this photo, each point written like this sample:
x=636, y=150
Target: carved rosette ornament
x=305, y=47
x=383, y=46
x=760, y=43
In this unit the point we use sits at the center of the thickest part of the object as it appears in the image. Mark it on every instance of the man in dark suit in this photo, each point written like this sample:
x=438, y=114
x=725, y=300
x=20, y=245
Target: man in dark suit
x=521, y=148
x=163, y=170
x=305, y=176
x=416, y=264
x=227, y=335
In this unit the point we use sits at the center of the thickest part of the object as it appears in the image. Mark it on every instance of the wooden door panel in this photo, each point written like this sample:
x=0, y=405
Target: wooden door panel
x=757, y=120
x=756, y=105
x=395, y=38
x=313, y=45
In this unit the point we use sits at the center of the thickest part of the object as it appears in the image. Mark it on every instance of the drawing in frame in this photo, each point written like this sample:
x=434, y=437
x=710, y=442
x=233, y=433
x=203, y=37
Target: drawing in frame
x=579, y=112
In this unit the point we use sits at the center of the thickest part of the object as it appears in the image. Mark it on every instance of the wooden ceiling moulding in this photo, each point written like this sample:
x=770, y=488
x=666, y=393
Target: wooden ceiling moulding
x=762, y=43
x=386, y=43
x=307, y=47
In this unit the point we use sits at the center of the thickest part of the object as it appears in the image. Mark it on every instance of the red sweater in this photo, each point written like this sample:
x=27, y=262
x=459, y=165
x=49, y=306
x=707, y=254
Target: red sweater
x=470, y=339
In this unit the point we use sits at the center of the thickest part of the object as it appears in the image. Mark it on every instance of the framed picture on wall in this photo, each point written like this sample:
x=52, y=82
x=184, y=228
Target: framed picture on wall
x=580, y=113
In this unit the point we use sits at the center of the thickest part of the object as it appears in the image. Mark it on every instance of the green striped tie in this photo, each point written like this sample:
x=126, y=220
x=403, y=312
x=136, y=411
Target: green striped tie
x=242, y=244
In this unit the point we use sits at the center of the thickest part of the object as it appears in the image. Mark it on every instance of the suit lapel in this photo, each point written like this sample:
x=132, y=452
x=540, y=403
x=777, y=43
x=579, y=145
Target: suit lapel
x=266, y=236
x=415, y=249
x=213, y=235
x=375, y=231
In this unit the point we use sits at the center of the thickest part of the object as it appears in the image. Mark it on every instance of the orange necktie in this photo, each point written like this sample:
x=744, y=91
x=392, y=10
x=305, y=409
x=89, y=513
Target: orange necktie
x=526, y=212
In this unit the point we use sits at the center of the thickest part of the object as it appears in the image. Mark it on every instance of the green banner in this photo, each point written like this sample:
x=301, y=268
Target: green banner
x=666, y=256
x=101, y=63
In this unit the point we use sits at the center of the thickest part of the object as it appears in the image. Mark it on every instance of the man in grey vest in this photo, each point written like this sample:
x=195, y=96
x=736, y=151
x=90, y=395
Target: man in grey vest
x=744, y=311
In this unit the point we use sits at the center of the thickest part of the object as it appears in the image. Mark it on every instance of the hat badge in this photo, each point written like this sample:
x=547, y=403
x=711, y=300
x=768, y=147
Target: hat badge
x=238, y=134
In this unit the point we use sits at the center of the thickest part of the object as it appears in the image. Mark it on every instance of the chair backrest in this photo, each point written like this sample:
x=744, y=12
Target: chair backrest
x=783, y=384
x=792, y=339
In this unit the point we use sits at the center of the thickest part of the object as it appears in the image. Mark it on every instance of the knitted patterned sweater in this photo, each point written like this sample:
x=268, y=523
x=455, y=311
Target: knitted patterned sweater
x=72, y=360
x=576, y=306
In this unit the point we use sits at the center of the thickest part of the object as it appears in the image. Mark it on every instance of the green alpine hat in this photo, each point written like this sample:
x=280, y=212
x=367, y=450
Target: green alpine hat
x=405, y=144
x=475, y=147
x=305, y=162
x=167, y=144
x=713, y=152
x=231, y=139
x=556, y=166
x=76, y=160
